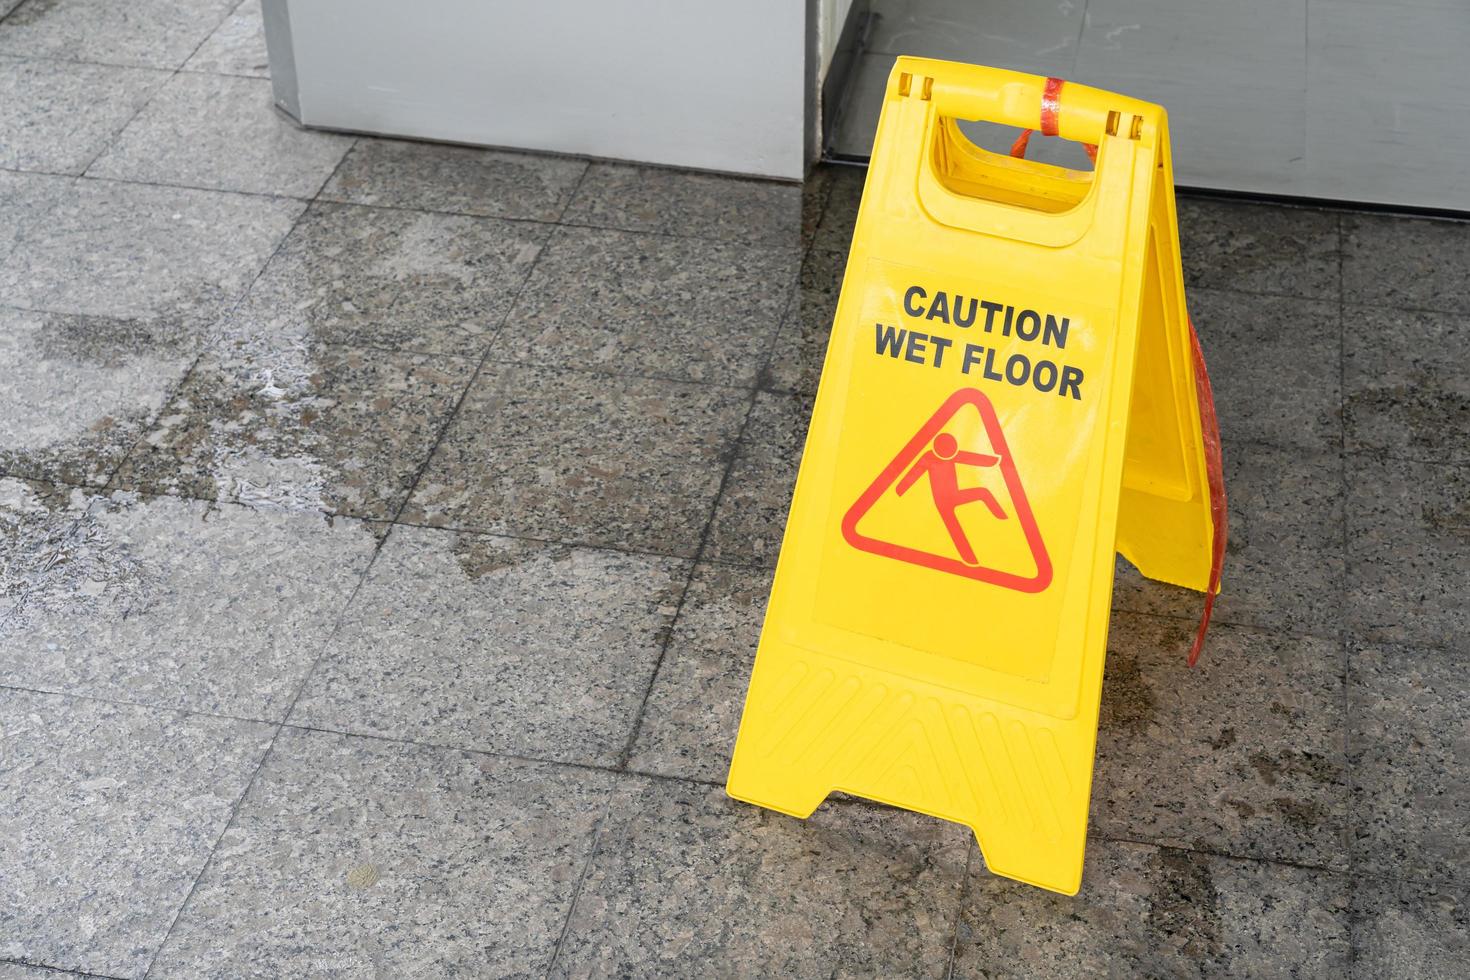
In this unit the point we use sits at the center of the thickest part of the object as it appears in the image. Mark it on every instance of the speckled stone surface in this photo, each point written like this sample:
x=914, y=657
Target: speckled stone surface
x=1408, y=743
x=614, y=195
x=461, y=179
x=751, y=516
x=1408, y=536
x=312, y=427
x=403, y=280
x=1403, y=929
x=222, y=132
x=689, y=883
x=17, y=971
x=694, y=707
x=1259, y=248
x=584, y=458
x=801, y=346
x=1275, y=364
x=35, y=521
x=1284, y=560
x=1242, y=754
x=186, y=604
x=653, y=305
x=1150, y=912
x=839, y=214
x=57, y=117
x=1406, y=391
x=25, y=200
x=1405, y=263
x=138, y=251
x=78, y=391
x=359, y=858
x=145, y=33
x=505, y=645
x=116, y=809
x=237, y=46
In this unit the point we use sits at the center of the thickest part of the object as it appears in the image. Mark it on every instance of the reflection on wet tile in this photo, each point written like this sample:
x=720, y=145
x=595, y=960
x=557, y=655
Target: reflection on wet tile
x=1259, y=248
x=679, y=202
x=186, y=604
x=693, y=710
x=35, y=521
x=237, y=47
x=1417, y=263
x=56, y=117
x=1284, y=560
x=321, y=428
x=801, y=346
x=358, y=857
x=649, y=304
x=504, y=645
x=146, y=33
x=1242, y=754
x=685, y=877
x=115, y=809
x=1274, y=365
x=78, y=391
x=137, y=251
x=1411, y=729
x=1406, y=390
x=840, y=215
x=222, y=132
x=568, y=456
x=751, y=516
x=1408, y=535
x=1402, y=929
x=463, y=179
x=405, y=280
x=1156, y=912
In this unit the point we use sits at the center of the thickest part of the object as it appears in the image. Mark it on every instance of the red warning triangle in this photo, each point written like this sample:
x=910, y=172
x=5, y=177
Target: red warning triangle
x=934, y=457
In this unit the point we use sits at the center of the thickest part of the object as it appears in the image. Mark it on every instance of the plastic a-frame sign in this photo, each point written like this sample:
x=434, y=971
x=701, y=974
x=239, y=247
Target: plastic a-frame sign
x=1010, y=395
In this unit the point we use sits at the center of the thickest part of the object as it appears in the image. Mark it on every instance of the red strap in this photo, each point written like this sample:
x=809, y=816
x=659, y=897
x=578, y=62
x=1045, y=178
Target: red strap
x=1051, y=112
x=1215, y=472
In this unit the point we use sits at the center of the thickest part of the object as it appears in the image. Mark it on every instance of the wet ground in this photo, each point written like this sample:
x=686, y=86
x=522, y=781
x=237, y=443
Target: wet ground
x=385, y=529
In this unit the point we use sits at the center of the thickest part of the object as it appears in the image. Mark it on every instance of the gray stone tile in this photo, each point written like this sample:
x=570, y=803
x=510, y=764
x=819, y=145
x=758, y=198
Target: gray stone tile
x=36, y=520
x=57, y=116
x=109, y=813
x=360, y=858
x=313, y=427
x=652, y=305
x=185, y=604
x=1408, y=538
x=142, y=33
x=462, y=179
x=237, y=47
x=686, y=880
x=79, y=390
x=25, y=200
x=19, y=971
x=1410, y=731
x=693, y=709
x=222, y=132
x=801, y=346
x=1406, y=394
x=680, y=202
x=751, y=516
x=1242, y=754
x=140, y=252
x=1275, y=364
x=568, y=456
x=1150, y=912
x=1418, y=263
x=509, y=646
x=405, y=280
x=1259, y=248
x=1284, y=558
x=839, y=217
x=1409, y=930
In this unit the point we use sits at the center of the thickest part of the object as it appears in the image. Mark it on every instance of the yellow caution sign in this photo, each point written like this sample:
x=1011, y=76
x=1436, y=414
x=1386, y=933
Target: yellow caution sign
x=1011, y=393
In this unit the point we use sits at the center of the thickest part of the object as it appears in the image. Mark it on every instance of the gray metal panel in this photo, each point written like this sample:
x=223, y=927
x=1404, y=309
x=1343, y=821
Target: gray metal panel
x=277, y=14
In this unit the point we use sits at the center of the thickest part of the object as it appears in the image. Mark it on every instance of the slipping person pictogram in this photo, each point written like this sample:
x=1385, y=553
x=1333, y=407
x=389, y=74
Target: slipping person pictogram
x=941, y=463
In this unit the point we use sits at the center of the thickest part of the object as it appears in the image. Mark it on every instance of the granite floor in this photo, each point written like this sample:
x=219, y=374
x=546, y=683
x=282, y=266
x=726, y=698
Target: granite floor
x=385, y=530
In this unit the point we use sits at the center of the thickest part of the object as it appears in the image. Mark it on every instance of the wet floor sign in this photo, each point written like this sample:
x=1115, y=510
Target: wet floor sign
x=1011, y=393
